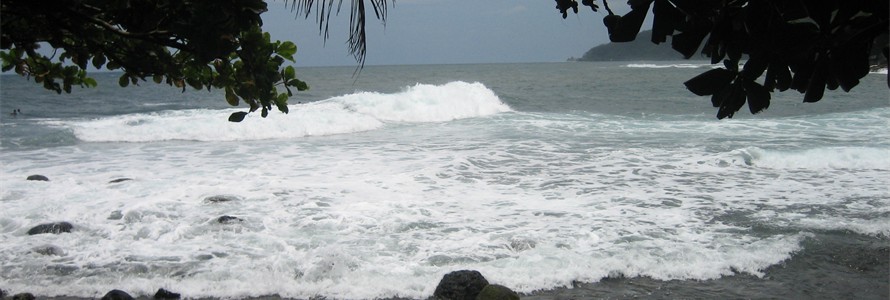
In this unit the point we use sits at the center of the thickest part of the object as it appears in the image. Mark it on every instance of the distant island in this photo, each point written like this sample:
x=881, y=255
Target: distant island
x=642, y=49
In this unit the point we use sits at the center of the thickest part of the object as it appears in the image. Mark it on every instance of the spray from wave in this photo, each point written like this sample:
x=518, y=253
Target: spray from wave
x=357, y=112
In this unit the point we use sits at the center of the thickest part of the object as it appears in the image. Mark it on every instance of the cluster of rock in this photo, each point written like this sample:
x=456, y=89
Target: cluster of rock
x=111, y=295
x=457, y=285
x=471, y=285
x=66, y=227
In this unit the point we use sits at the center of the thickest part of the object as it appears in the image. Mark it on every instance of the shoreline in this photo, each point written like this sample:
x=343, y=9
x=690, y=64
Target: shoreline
x=846, y=267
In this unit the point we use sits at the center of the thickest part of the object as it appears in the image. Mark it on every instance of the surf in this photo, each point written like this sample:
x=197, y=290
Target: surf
x=350, y=113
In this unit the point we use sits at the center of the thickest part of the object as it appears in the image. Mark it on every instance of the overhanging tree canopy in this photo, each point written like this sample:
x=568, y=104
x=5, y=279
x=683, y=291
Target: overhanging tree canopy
x=202, y=44
x=806, y=46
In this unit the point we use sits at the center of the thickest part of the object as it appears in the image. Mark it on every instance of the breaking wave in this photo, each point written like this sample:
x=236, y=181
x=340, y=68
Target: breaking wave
x=357, y=112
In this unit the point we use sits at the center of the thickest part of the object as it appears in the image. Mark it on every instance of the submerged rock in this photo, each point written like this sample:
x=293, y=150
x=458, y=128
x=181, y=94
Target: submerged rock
x=23, y=296
x=460, y=285
x=497, y=292
x=54, y=228
x=116, y=215
x=229, y=220
x=49, y=250
x=165, y=294
x=38, y=178
x=120, y=180
x=117, y=295
x=220, y=198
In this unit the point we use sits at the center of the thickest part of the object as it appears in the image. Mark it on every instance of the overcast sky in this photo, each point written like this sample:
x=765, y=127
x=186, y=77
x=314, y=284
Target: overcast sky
x=446, y=32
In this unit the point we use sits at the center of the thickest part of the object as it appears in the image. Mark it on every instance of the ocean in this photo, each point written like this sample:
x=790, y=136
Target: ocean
x=557, y=180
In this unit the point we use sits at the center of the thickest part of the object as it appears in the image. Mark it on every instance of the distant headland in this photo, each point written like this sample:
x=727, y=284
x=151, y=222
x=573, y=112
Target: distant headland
x=642, y=49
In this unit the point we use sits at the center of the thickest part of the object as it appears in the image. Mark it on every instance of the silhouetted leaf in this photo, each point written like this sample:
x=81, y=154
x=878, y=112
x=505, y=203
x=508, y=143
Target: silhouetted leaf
x=850, y=63
x=665, y=19
x=816, y=88
x=237, y=116
x=98, y=61
x=758, y=97
x=688, y=42
x=754, y=67
x=627, y=28
x=709, y=82
x=733, y=100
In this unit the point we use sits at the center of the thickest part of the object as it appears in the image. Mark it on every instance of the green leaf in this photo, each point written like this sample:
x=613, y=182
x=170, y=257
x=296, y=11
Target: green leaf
x=124, y=80
x=289, y=73
x=231, y=98
x=281, y=103
x=158, y=78
x=299, y=84
x=89, y=82
x=237, y=116
x=287, y=50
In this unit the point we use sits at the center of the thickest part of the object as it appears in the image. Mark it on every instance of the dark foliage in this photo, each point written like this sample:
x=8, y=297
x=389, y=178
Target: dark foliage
x=202, y=44
x=806, y=46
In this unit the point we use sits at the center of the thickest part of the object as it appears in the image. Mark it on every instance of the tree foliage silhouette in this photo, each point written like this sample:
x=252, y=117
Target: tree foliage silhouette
x=806, y=46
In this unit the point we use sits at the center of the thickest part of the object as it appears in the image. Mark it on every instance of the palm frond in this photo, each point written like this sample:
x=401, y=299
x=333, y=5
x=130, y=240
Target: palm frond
x=358, y=42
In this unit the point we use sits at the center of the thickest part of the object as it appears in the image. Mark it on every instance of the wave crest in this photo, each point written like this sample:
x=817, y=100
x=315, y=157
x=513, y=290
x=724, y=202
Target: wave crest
x=357, y=112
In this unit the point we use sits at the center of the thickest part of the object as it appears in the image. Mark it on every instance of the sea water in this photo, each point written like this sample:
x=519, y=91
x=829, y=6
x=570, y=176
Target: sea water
x=540, y=176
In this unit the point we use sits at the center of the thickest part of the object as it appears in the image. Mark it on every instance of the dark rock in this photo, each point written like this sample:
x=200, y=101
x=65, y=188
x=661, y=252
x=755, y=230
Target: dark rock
x=460, y=285
x=497, y=292
x=2, y=294
x=38, y=178
x=117, y=295
x=165, y=294
x=229, y=220
x=23, y=296
x=54, y=228
x=116, y=215
x=220, y=199
x=49, y=250
x=120, y=180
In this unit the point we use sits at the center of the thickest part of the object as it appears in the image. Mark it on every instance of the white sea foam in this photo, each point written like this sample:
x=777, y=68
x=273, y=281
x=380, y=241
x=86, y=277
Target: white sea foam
x=880, y=71
x=387, y=215
x=356, y=112
x=532, y=200
x=662, y=66
x=819, y=158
